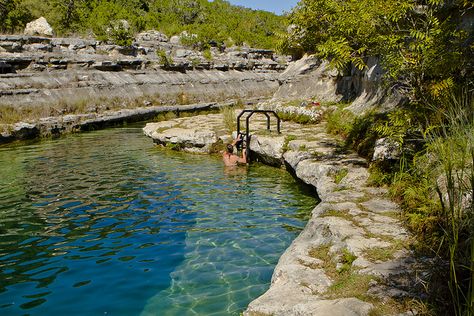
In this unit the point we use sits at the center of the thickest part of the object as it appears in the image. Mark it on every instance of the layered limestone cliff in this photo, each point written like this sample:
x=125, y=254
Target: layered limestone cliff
x=36, y=70
x=53, y=77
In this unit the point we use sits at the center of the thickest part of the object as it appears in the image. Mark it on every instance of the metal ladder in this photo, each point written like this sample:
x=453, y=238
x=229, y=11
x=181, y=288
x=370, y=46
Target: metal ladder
x=247, y=126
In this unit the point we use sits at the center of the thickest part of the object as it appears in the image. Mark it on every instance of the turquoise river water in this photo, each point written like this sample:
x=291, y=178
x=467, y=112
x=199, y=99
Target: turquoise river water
x=105, y=223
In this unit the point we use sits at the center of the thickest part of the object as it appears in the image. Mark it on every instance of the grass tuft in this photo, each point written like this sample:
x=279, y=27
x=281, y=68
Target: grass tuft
x=340, y=175
x=230, y=119
x=288, y=139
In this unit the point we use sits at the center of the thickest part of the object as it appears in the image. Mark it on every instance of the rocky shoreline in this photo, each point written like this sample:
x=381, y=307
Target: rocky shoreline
x=355, y=233
x=73, y=123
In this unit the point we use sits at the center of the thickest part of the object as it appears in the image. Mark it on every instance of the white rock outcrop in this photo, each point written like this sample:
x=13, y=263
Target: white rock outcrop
x=39, y=27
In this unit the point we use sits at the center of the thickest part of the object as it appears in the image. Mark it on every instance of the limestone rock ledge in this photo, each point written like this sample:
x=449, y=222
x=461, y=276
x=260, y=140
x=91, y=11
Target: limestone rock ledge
x=354, y=234
x=58, y=125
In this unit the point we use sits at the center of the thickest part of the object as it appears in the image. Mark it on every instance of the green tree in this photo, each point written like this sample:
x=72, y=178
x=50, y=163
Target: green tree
x=419, y=43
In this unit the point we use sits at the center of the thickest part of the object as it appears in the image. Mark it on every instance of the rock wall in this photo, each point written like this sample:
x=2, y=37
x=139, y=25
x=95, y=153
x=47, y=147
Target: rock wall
x=55, y=126
x=161, y=85
x=36, y=70
x=311, y=78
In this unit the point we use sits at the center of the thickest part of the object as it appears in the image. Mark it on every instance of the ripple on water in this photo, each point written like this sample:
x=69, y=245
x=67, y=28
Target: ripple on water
x=107, y=215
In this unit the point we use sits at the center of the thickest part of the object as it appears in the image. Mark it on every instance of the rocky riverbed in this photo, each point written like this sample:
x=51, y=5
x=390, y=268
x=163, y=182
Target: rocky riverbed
x=352, y=256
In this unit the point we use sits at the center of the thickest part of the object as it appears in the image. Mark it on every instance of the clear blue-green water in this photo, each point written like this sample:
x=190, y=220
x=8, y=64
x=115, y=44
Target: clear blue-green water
x=105, y=223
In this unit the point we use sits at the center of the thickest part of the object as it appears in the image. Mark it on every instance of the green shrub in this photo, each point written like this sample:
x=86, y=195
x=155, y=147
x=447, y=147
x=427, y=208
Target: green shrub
x=340, y=122
x=207, y=54
x=294, y=117
x=164, y=59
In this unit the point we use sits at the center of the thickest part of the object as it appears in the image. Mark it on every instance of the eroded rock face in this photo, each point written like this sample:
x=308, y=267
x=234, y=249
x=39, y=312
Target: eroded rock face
x=39, y=27
x=40, y=70
x=268, y=149
x=311, y=78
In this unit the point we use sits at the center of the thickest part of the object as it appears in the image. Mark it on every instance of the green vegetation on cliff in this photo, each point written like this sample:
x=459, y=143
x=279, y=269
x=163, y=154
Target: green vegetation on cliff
x=217, y=21
x=426, y=47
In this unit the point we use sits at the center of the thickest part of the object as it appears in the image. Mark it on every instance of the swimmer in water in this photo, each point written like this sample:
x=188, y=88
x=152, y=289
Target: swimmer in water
x=228, y=156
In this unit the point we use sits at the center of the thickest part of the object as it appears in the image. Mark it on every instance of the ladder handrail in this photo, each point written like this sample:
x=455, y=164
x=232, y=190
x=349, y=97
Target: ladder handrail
x=247, y=124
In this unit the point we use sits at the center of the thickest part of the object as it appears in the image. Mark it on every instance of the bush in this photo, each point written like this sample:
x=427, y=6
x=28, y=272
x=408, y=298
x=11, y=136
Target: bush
x=339, y=121
x=207, y=54
x=164, y=59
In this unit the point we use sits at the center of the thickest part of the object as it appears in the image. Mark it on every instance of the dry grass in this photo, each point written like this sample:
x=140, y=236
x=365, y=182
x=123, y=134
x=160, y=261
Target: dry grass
x=10, y=114
x=230, y=119
x=322, y=253
x=341, y=214
x=350, y=285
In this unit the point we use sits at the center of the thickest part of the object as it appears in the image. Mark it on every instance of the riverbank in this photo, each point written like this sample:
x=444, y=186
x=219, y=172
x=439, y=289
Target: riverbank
x=55, y=126
x=353, y=256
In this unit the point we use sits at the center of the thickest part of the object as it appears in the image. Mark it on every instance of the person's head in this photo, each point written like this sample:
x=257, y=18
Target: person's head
x=230, y=148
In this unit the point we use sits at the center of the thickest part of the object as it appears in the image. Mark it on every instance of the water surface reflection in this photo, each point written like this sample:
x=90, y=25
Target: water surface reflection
x=104, y=222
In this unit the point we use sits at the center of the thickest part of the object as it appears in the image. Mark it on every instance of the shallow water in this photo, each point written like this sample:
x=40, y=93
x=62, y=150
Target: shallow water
x=106, y=223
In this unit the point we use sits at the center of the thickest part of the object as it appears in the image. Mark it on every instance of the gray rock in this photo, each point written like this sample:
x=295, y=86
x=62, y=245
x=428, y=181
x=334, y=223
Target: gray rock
x=86, y=51
x=151, y=36
x=193, y=140
x=386, y=149
x=24, y=130
x=10, y=46
x=294, y=157
x=37, y=47
x=309, y=78
x=183, y=53
x=381, y=206
x=268, y=149
x=175, y=40
x=307, y=305
x=39, y=27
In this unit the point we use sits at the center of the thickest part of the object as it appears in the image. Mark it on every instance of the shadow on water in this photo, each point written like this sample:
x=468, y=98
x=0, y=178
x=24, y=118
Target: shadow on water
x=104, y=222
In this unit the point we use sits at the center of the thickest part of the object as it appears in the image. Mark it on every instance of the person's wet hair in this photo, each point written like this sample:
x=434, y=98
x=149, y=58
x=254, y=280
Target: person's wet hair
x=230, y=148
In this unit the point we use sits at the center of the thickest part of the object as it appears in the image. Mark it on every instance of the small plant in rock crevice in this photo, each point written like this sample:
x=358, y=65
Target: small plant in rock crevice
x=287, y=141
x=340, y=174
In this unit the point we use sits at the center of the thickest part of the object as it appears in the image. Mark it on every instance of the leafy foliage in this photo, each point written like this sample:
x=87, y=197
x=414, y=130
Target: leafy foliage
x=420, y=43
x=217, y=21
x=343, y=31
